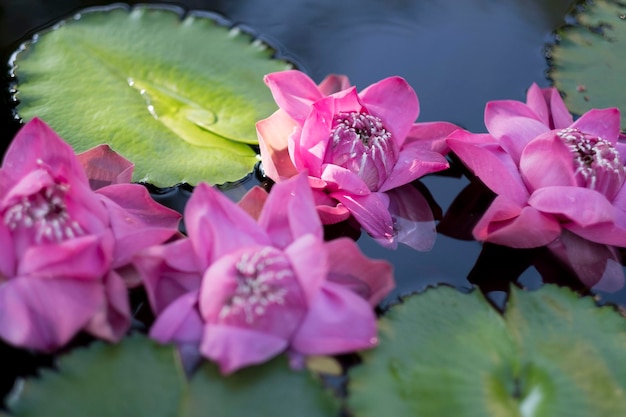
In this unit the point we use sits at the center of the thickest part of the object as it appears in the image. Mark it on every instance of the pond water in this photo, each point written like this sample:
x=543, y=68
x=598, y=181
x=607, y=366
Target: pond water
x=456, y=55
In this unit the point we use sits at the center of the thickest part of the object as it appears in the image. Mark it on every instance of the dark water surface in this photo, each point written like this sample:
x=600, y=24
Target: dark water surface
x=456, y=55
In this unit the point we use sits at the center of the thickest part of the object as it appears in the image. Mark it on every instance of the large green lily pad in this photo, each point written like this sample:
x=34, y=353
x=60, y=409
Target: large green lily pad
x=272, y=390
x=140, y=378
x=178, y=97
x=134, y=378
x=589, y=61
x=443, y=353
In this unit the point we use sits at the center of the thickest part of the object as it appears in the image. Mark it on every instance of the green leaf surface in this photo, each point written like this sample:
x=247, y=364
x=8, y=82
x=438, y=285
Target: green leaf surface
x=135, y=378
x=589, y=61
x=178, y=97
x=443, y=353
x=140, y=378
x=272, y=390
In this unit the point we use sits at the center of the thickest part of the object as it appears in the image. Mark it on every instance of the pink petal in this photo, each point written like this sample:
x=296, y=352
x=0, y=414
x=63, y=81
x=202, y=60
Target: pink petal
x=308, y=256
x=613, y=234
x=413, y=162
x=395, y=102
x=431, y=135
x=339, y=178
x=348, y=267
x=371, y=211
x=413, y=218
x=612, y=278
x=603, y=123
x=536, y=101
x=37, y=145
x=8, y=261
x=252, y=202
x=112, y=320
x=136, y=201
x=296, y=151
x=328, y=209
x=333, y=83
x=546, y=161
x=489, y=162
x=294, y=92
x=314, y=140
x=332, y=215
x=84, y=258
x=561, y=117
x=180, y=322
x=582, y=206
x=620, y=198
x=31, y=183
x=289, y=212
x=513, y=124
x=168, y=272
x=233, y=348
x=44, y=314
x=620, y=145
x=219, y=282
x=594, y=264
x=508, y=224
x=310, y=146
x=210, y=216
x=338, y=321
x=273, y=134
x=137, y=221
x=549, y=107
x=104, y=166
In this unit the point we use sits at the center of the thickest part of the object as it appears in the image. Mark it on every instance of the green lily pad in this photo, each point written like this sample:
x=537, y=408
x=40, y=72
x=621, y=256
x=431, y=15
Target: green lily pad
x=178, y=97
x=272, y=390
x=134, y=378
x=443, y=353
x=141, y=378
x=589, y=61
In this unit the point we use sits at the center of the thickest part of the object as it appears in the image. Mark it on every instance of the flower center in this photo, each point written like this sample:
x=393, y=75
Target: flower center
x=596, y=160
x=362, y=144
x=45, y=214
x=259, y=275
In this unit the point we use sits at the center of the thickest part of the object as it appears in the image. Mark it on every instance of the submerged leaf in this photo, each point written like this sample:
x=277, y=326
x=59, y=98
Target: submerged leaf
x=179, y=98
x=134, y=378
x=443, y=353
x=589, y=61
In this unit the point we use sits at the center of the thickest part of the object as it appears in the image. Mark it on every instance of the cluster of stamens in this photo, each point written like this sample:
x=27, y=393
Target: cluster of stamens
x=592, y=155
x=45, y=213
x=258, y=284
x=364, y=127
x=362, y=144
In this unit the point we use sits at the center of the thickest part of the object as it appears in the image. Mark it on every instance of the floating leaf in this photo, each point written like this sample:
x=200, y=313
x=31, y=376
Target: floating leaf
x=134, y=378
x=140, y=378
x=589, y=61
x=272, y=390
x=178, y=97
x=443, y=353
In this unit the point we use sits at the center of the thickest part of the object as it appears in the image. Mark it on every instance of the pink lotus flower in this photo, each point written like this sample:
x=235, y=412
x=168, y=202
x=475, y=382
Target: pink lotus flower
x=65, y=248
x=355, y=147
x=243, y=291
x=550, y=174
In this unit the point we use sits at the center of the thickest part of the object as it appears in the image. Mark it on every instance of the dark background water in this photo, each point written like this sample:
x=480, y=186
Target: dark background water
x=456, y=55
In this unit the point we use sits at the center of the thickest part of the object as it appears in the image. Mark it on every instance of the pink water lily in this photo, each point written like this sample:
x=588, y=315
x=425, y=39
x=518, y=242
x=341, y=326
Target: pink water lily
x=242, y=291
x=551, y=174
x=66, y=249
x=355, y=147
